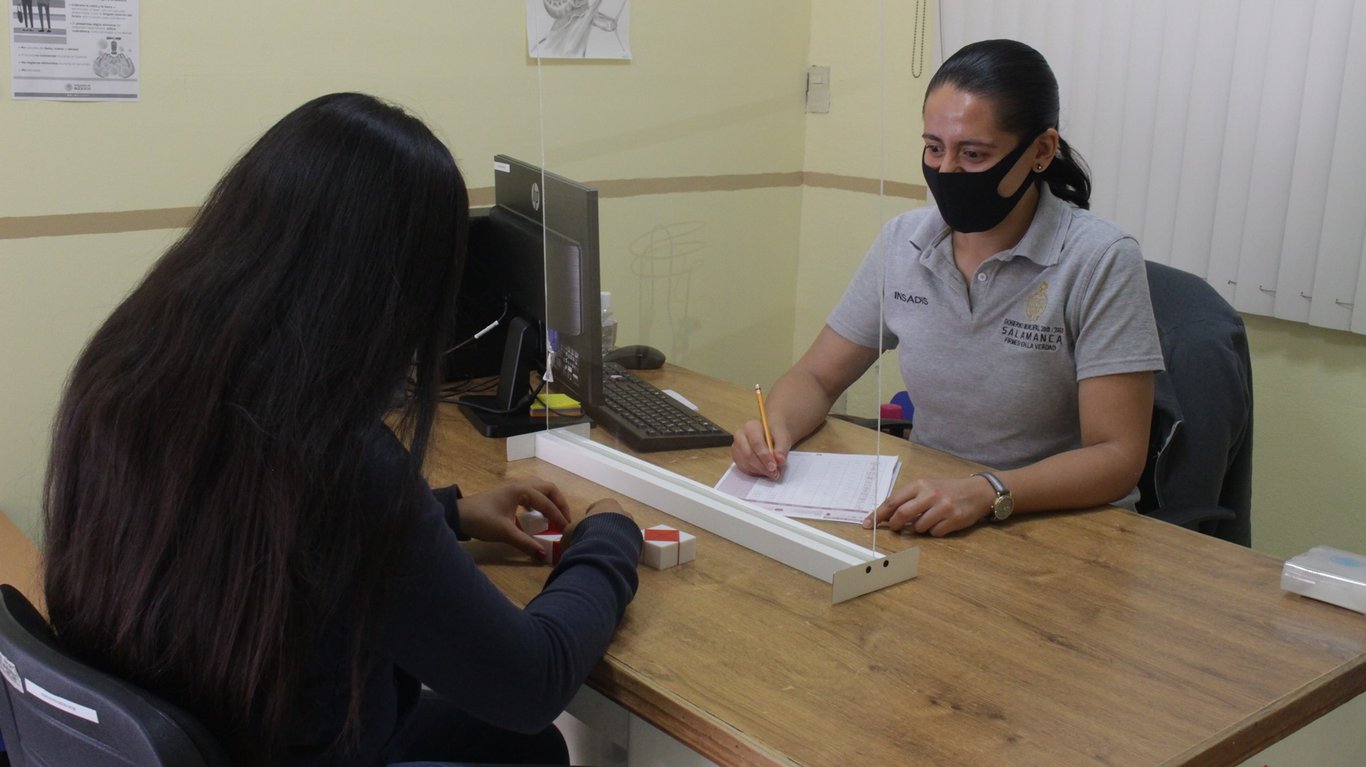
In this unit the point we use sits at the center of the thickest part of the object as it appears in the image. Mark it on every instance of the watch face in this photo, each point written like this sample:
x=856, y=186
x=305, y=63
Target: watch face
x=1003, y=506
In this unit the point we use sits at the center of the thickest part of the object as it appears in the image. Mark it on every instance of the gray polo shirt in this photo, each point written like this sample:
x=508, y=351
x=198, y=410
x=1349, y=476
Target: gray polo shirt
x=992, y=364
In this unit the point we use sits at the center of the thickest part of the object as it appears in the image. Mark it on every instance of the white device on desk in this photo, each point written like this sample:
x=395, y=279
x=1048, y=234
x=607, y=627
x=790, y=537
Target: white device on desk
x=1328, y=575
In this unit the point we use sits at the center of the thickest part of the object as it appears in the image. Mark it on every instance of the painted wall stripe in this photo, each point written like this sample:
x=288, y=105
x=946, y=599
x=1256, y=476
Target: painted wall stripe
x=113, y=222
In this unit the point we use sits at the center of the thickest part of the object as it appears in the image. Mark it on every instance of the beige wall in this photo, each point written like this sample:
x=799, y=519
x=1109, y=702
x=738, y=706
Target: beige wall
x=879, y=69
x=716, y=90
x=1309, y=445
x=688, y=274
x=53, y=294
x=715, y=93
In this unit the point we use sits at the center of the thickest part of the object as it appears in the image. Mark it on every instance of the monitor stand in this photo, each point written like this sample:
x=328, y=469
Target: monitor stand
x=508, y=412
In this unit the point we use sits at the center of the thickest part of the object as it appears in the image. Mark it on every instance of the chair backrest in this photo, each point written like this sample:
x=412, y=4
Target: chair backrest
x=1199, y=469
x=56, y=710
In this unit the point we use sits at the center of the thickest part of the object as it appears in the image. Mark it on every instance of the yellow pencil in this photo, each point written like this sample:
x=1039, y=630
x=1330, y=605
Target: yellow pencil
x=763, y=416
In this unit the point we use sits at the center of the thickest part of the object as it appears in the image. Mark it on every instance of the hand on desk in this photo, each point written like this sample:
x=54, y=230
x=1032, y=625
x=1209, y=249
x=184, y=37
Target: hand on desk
x=934, y=506
x=750, y=452
x=492, y=514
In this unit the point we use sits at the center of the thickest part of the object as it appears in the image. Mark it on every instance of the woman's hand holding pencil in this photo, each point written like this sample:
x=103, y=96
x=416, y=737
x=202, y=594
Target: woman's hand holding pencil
x=760, y=446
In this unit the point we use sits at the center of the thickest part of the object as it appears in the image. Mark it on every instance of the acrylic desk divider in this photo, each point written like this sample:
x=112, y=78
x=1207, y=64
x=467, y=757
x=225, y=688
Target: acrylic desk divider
x=850, y=569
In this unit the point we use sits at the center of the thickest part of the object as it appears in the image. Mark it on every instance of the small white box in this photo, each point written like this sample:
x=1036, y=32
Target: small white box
x=1328, y=575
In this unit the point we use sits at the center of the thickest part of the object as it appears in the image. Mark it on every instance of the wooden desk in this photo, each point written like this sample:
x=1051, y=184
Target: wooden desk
x=1097, y=637
x=19, y=562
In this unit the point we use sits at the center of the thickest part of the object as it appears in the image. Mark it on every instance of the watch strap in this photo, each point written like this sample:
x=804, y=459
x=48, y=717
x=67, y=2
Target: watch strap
x=994, y=481
x=1003, y=497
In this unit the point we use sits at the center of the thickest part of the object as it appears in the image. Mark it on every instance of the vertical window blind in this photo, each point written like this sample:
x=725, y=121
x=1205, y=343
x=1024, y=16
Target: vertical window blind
x=1228, y=136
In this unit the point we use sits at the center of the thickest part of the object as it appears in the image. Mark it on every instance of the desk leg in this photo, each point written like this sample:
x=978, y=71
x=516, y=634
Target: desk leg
x=602, y=733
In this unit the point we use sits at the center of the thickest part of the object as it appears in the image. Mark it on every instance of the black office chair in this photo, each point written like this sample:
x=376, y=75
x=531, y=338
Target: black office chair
x=56, y=710
x=1199, y=468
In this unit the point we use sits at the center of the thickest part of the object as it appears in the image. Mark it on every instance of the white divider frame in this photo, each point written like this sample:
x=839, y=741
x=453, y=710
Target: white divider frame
x=851, y=570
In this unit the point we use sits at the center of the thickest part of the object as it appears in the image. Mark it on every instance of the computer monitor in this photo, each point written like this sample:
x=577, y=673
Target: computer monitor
x=475, y=348
x=533, y=259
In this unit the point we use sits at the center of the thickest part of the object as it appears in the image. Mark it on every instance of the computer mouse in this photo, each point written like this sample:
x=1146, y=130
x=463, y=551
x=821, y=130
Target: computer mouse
x=636, y=357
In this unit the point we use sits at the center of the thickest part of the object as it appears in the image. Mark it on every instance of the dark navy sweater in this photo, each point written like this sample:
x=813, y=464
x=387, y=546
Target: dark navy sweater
x=448, y=627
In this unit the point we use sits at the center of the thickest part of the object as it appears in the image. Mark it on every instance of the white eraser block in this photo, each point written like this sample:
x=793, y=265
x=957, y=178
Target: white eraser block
x=1328, y=575
x=532, y=522
x=666, y=546
x=553, y=543
x=687, y=547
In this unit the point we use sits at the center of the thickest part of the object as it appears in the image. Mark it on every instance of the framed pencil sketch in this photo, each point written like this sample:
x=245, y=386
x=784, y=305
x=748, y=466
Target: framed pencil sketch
x=578, y=29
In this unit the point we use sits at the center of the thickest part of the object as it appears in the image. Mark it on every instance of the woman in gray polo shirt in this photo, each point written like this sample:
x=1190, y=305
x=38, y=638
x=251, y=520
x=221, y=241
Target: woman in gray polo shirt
x=1026, y=335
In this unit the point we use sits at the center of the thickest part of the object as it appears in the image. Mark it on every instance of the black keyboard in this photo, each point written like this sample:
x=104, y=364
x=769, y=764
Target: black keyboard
x=647, y=419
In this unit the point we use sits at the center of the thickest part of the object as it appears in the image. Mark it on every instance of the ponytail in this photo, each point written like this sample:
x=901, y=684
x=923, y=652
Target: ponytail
x=1068, y=176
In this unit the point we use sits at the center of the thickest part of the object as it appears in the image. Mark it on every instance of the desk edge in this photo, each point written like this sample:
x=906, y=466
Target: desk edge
x=1245, y=739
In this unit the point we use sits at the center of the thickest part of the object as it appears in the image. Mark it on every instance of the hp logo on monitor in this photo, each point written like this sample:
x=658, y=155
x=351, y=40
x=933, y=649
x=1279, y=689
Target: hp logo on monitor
x=535, y=196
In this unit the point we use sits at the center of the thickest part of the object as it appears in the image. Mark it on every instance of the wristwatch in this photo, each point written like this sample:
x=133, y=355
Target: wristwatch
x=1004, y=503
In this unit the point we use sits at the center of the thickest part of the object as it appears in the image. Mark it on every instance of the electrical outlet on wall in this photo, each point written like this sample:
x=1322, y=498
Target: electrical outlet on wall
x=818, y=89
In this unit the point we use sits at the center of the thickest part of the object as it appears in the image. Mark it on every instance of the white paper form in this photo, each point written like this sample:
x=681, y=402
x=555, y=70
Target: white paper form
x=836, y=487
x=74, y=50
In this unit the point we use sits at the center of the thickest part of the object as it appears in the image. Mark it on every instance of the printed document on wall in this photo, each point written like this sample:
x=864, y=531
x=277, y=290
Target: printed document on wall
x=578, y=29
x=74, y=50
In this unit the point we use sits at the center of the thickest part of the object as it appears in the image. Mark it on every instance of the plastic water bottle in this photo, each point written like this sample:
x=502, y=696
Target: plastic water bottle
x=609, y=323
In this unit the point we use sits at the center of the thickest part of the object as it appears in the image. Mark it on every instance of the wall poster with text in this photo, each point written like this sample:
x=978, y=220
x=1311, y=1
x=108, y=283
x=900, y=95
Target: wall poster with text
x=65, y=50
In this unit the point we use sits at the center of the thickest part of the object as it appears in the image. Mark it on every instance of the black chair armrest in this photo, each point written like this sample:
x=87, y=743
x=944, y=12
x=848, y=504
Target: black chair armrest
x=897, y=427
x=1191, y=517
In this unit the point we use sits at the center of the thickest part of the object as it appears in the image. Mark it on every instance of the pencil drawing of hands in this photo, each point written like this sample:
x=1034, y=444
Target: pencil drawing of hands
x=574, y=22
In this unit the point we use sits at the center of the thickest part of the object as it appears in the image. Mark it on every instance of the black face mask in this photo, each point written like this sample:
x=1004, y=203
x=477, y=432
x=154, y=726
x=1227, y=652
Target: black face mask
x=968, y=201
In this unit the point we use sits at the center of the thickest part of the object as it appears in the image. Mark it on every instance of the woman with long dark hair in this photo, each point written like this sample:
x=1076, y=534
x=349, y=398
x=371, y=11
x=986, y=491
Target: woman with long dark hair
x=230, y=523
x=1025, y=332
